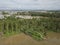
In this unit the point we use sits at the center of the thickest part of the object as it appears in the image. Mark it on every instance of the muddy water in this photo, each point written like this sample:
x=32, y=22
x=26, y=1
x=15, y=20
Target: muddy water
x=22, y=39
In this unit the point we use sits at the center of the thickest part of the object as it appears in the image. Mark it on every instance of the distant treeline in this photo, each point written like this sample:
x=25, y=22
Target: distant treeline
x=33, y=13
x=46, y=14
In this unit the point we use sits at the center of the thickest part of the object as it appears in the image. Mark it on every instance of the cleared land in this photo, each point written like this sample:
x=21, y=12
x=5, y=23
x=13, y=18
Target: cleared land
x=22, y=39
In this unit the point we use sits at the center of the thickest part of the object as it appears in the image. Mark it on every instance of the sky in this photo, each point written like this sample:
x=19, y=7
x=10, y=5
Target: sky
x=30, y=4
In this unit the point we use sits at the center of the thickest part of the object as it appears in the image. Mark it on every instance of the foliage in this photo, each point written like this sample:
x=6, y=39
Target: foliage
x=46, y=14
x=36, y=28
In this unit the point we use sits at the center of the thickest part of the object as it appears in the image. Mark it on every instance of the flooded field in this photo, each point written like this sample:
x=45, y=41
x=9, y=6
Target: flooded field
x=22, y=39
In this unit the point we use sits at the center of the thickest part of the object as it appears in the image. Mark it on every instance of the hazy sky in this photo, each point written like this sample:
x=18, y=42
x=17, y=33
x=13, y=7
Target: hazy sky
x=30, y=4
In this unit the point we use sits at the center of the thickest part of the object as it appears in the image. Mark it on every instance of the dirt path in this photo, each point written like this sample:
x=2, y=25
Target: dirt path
x=22, y=39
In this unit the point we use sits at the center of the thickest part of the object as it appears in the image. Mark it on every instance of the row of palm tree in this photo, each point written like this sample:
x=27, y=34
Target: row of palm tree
x=36, y=28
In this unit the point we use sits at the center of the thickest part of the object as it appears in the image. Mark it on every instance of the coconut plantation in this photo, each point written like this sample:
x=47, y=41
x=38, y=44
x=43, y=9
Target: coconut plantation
x=34, y=25
x=29, y=22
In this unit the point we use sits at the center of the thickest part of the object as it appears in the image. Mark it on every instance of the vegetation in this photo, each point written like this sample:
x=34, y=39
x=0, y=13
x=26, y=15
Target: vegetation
x=43, y=14
x=31, y=13
x=5, y=13
x=36, y=28
x=46, y=14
